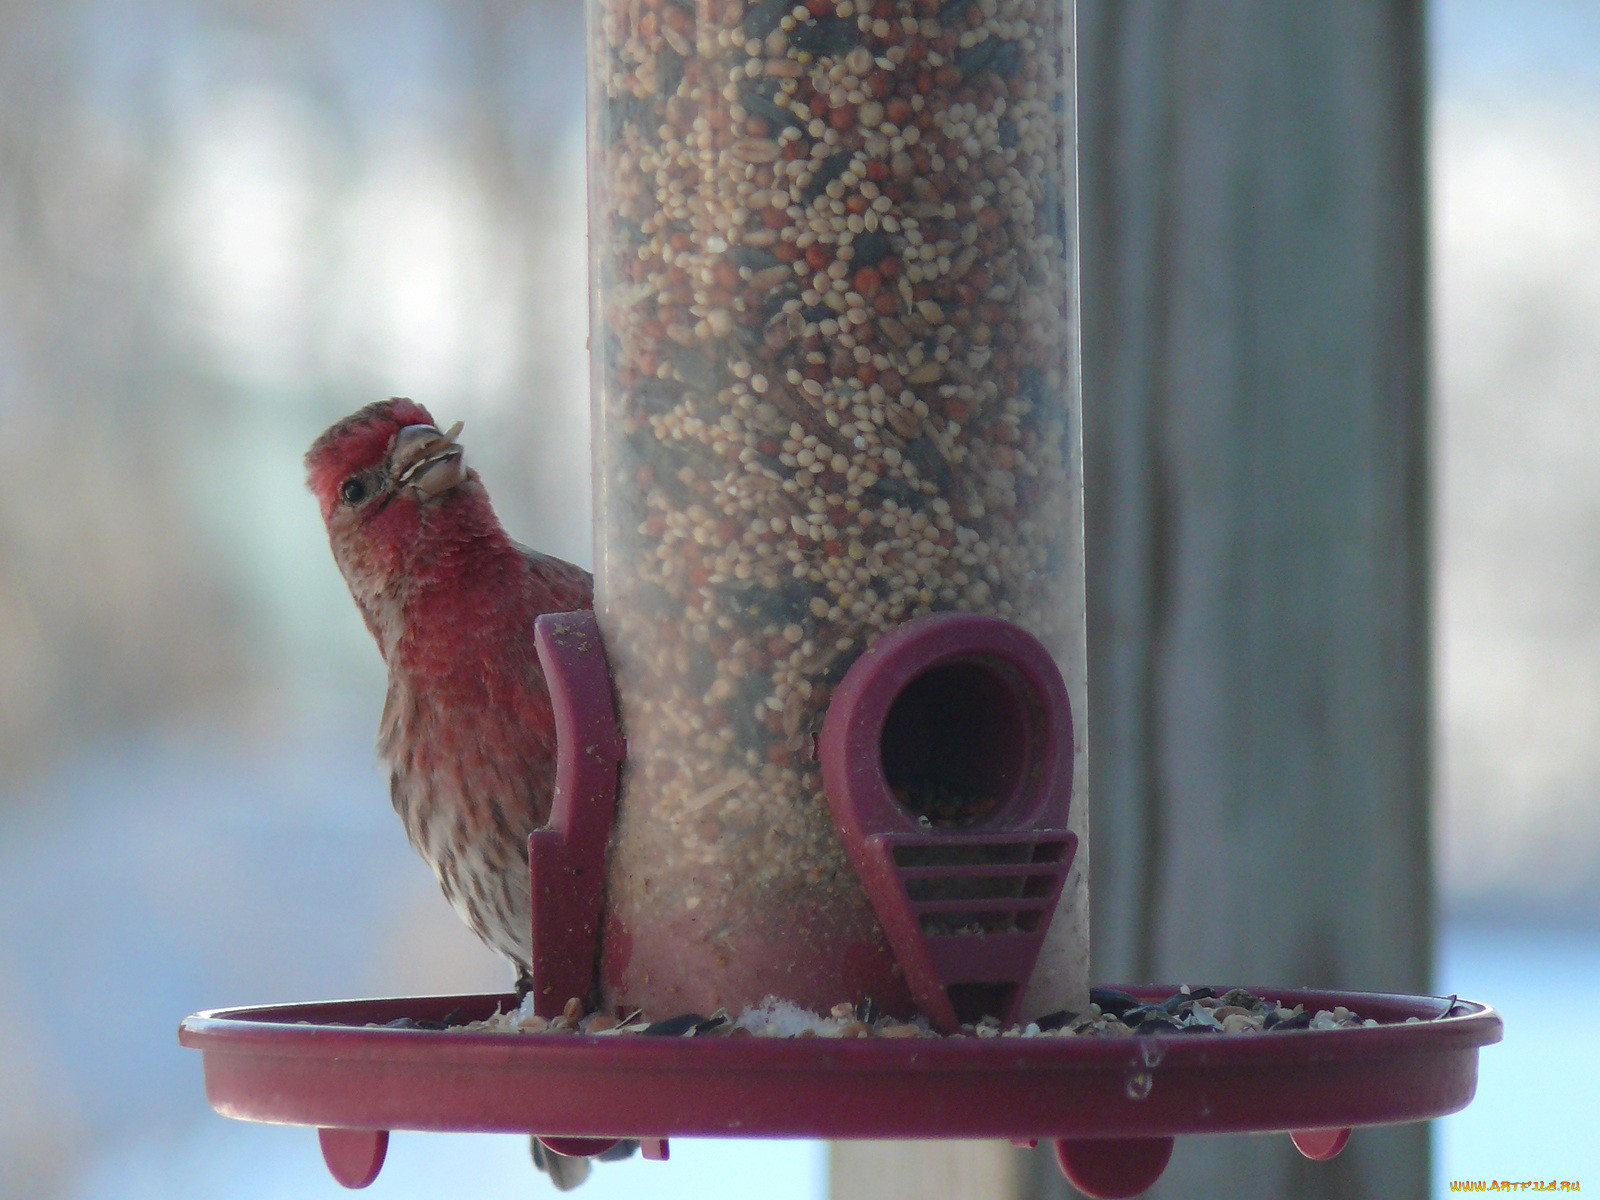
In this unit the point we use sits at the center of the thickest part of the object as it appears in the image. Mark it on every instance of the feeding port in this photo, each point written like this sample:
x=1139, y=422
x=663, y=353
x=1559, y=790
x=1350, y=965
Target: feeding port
x=947, y=758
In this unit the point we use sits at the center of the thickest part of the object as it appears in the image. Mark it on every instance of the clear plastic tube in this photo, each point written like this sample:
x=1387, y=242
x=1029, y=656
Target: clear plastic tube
x=834, y=338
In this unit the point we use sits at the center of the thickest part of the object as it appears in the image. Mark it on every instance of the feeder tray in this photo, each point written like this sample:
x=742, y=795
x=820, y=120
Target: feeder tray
x=1111, y=1105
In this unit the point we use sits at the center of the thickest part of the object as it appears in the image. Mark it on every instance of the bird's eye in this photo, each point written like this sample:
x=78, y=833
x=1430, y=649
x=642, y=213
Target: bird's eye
x=353, y=490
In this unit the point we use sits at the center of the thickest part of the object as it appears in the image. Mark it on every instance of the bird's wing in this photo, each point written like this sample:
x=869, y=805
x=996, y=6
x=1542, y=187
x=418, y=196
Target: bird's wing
x=569, y=588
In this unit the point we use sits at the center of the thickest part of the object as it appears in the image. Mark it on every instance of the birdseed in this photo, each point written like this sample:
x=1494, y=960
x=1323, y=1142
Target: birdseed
x=1110, y=1014
x=835, y=387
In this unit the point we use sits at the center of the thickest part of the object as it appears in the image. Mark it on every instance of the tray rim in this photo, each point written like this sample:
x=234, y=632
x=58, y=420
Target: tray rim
x=263, y=1065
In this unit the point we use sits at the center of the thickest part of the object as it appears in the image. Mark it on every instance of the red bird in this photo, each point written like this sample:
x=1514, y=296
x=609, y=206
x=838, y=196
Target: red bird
x=467, y=728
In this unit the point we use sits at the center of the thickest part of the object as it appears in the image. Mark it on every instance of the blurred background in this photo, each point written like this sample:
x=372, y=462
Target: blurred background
x=224, y=225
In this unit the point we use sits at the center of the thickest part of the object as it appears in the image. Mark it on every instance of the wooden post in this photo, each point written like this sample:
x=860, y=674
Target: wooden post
x=1255, y=440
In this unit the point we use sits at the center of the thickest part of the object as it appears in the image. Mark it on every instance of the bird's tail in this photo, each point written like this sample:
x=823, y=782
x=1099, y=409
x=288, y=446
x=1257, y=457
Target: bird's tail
x=567, y=1171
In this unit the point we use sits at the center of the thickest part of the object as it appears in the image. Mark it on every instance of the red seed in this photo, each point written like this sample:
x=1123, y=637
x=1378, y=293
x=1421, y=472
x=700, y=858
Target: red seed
x=817, y=256
x=843, y=118
x=867, y=282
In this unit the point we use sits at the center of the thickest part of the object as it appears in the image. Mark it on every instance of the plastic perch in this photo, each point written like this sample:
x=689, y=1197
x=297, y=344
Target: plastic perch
x=567, y=858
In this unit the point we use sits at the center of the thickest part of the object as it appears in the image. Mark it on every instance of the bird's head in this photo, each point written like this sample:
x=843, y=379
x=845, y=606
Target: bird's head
x=386, y=451
x=389, y=482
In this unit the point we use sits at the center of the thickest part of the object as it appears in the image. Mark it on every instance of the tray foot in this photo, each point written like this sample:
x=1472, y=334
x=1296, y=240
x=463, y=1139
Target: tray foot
x=1113, y=1168
x=354, y=1156
x=1319, y=1145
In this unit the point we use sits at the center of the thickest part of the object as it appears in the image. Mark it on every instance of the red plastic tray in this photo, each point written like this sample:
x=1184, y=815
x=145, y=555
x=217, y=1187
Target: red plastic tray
x=1103, y=1100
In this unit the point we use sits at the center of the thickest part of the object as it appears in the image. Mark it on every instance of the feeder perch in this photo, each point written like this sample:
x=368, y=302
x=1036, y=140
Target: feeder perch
x=567, y=858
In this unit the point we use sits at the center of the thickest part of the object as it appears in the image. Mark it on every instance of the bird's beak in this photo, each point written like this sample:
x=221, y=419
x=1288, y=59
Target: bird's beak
x=428, y=462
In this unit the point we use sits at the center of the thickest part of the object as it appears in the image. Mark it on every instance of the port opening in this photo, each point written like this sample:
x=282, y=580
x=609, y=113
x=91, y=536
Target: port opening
x=955, y=745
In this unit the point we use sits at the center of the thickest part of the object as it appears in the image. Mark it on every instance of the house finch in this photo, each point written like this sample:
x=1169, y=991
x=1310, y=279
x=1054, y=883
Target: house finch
x=467, y=728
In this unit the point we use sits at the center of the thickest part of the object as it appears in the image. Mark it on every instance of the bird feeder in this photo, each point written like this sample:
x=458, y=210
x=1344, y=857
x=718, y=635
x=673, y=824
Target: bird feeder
x=1112, y=1106
x=821, y=739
